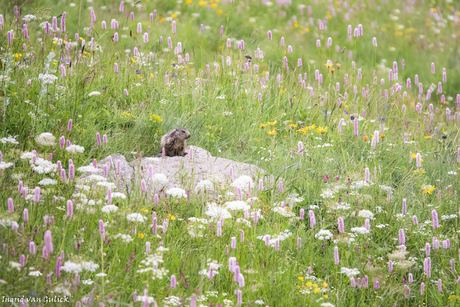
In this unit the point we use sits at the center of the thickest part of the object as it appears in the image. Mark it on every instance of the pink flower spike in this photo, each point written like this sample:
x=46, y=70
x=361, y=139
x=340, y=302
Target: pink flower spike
x=37, y=194
x=10, y=205
x=336, y=255
x=48, y=242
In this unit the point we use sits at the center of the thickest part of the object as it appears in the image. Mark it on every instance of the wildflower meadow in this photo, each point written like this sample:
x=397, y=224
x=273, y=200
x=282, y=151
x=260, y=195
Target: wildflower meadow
x=348, y=110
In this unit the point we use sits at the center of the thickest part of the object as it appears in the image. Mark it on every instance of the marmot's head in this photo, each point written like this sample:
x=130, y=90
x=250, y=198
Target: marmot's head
x=180, y=133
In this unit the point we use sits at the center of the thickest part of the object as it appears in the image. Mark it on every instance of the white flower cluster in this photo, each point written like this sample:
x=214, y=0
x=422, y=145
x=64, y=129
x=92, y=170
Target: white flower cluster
x=125, y=238
x=323, y=235
x=243, y=182
x=29, y=17
x=71, y=267
x=176, y=192
x=237, y=205
x=327, y=193
x=87, y=169
x=43, y=166
x=5, y=165
x=8, y=223
x=361, y=230
x=172, y=300
x=217, y=212
x=45, y=139
x=159, y=180
x=75, y=149
x=349, y=272
x=283, y=211
x=90, y=266
x=204, y=185
x=366, y=214
x=47, y=181
x=9, y=139
x=94, y=93
x=47, y=78
x=136, y=217
x=109, y=208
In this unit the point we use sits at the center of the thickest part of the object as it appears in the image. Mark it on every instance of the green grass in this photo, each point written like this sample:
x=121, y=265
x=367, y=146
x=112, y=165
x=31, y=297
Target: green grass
x=222, y=111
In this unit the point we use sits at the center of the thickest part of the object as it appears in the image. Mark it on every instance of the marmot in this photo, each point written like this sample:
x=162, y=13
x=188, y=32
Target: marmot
x=174, y=142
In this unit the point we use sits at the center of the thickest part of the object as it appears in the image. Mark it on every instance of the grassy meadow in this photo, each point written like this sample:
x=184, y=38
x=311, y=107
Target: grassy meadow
x=352, y=106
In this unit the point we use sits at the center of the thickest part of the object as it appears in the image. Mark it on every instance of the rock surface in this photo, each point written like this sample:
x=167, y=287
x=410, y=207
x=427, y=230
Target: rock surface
x=184, y=172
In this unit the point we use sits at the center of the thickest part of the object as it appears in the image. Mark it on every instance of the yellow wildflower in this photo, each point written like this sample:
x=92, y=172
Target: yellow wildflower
x=308, y=284
x=272, y=132
x=325, y=284
x=428, y=190
x=328, y=65
x=272, y=123
x=301, y=278
x=155, y=118
x=427, y=137
x=141, y=236
x=321, y=130
x=317, y=290
x=202, y=3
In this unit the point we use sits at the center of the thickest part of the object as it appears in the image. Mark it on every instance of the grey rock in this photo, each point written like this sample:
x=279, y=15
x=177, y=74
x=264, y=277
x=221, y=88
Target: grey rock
x=184, y=172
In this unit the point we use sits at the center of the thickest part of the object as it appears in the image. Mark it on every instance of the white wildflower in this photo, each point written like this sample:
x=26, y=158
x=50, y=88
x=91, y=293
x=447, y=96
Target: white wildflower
x=136, y=217
x=361, y=230
x=109, y=208
x=349, y=272
x=35, y=273
x=176, y=192
x=323, y=235
x=159, y=180
x=46, y=139
x=117, y=195
x=28, y=155
x=237, y=205
x=71, y=267
x=217, y=212
x=47, y=181
x=94, y=93
x=47, y=78
x=243, y=183
x=284, y=211
x=43, y=166
x=327, y=194
x=9, y=139
x=5, y=165
x=90, y=266
x=366, y=214
x=29, y=17
x=204, y=185
x=75, y=149
x=87, y=169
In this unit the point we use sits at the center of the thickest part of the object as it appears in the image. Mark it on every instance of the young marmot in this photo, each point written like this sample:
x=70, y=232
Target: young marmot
x=174, y=142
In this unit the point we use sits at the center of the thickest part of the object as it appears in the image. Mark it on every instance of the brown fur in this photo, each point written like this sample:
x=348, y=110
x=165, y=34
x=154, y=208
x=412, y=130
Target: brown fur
x=174, y=142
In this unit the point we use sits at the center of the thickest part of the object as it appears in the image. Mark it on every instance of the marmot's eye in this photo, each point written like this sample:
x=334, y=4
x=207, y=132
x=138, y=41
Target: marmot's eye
x=183, y=131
